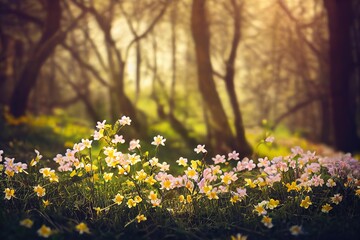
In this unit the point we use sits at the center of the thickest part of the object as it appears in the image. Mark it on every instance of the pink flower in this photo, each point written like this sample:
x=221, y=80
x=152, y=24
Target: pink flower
x=200, y=149
x=234, y=155
x=219, y=159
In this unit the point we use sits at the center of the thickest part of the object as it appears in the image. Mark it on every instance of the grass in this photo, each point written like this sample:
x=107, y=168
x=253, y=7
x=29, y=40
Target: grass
x=78, y=194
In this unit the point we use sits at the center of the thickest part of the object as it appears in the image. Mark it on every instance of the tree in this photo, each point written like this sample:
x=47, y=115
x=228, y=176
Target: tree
x=343, y=101
x=223, y=138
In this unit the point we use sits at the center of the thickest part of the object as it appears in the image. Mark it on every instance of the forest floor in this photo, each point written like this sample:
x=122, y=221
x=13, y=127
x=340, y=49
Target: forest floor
x=199, y=219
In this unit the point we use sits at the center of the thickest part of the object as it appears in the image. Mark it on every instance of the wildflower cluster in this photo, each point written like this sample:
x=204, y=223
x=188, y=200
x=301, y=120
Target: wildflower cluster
x=115, y=168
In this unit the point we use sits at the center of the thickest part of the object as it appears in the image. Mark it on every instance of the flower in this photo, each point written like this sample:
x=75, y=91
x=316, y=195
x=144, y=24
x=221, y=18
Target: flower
x=182, y=161
x=152, y=196
x=82, y=228
x=239, y=237
x=267, y=221
x=219, y=159
x=228, y=177
x=108, y=176
x=1, y=152
x=200, y=149
x=138, y=199
x=270, y=139
x=292, y=187
x=101, y=125
x=28, y=223
x=259, y=208
x=326, y=208
x=44, y=231
x=159, y=140
x=295, y=230
x=330, y=183
x=118, y=139
x=135, y=143
x=212, y=195
x=46, y=203
x=233, y=155
x=87, y=143
x=45, y=172
x=140, y=218
x=124, y=121
x=40, y=191
x=36, y=159
x=191, y=173
x=306, y=202
x=118, y=199
x=337, y=198
x=9, y=193
x=273, y=203
x=357, y=192
x=131, y=203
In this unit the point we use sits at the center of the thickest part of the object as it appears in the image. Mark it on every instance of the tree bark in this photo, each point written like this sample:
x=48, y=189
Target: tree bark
x=224, y=139
x=243, y=146
x=343, y=100
x=42, y=51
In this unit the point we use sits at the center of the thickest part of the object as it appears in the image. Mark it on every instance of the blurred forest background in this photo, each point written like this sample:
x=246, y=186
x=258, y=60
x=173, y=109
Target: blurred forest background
x=198, y=71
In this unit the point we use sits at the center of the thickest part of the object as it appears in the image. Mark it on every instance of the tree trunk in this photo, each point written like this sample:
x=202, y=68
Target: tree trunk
x=242, y=145
x=224, y=140
x=42, y=51
x=341, y=68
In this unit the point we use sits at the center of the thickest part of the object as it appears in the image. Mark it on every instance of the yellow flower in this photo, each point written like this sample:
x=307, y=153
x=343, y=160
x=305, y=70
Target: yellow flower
x=140, y=218
x=188, y=199
x=357, y=192
x=44, y=231
x=152, y=196
x=273, y=203
x=46, y=203
x=207, y=189
x=82, y=228
x=292, y=187
x=295, y=230
x=9, y=193
x=40, y=191
x=326, y=208
x=182, y=199
x=212, y=195
x=45, y=172
x=234, y=199
x=53, y=177
x=191, y=173
x=108, y=176
x=98, y=210
x=150, y=180
x=131, y=203
x=141, y=175
x=167, y=184
x=306, y=202
x=267, y=221
x=260, y=209
x=249, y=183
x=118, y=199
x=28, y=223
x=239, y=237
x=9, y=173
x=138, y=199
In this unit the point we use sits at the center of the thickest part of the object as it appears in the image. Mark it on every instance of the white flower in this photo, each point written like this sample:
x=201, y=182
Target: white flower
x=101, y=125
x=135, y=143
x=159, y=140
x=270, y=139
x=124, y=121
x=200, y=148
x=118, y=139
x=87, y=143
